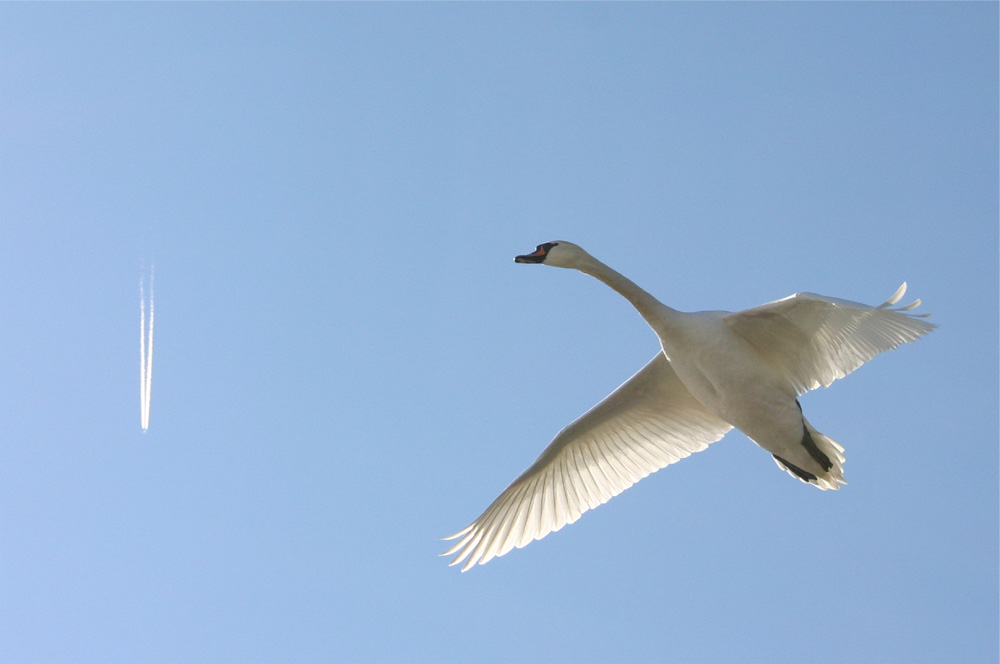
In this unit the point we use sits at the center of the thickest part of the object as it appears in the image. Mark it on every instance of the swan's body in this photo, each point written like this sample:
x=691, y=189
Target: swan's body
x=715, y=371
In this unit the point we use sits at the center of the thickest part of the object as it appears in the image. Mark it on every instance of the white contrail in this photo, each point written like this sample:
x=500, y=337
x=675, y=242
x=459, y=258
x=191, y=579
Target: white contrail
x=149, y=355
x=145, y=352
x=142, y=354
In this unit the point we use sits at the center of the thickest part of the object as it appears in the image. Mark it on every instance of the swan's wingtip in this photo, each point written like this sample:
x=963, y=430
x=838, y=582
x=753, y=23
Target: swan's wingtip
x=463, y=531
x=895, y=297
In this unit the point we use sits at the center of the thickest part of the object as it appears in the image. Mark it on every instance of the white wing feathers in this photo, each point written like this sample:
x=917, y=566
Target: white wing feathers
x=652, y=420
x=814, y=340
x=649, y=422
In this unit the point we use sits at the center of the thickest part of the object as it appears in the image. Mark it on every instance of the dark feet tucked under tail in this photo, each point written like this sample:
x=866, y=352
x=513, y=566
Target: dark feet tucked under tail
x=807, y=442
x=803, y=475
x=828, y=455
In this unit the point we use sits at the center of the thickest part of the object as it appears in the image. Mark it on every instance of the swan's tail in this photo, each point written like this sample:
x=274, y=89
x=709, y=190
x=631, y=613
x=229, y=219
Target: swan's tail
x=826, y=452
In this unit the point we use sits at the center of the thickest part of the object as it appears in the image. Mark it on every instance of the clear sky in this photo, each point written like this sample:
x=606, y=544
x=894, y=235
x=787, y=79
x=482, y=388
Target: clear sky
x=349, y=365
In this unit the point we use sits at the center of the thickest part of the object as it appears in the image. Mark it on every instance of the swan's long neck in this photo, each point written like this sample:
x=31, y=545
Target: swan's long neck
x=652, y=310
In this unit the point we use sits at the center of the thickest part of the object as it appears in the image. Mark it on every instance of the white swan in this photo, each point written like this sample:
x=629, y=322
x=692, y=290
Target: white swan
x=716, y=370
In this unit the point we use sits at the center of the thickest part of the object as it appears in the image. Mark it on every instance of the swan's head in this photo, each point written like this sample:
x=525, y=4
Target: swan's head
x=557, y=254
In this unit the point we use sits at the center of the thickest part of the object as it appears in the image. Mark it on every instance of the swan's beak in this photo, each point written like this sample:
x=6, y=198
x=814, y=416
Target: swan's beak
x=537, y=256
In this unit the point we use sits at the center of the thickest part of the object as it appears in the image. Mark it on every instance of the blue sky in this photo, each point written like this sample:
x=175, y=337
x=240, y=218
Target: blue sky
x=349, y=365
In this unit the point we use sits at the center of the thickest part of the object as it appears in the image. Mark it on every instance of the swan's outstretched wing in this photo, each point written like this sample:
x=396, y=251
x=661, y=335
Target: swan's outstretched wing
x=647, y=423
x=814, y=340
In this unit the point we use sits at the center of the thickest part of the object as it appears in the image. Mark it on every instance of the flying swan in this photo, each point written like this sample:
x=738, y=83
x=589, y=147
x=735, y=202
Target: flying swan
x=716, y=370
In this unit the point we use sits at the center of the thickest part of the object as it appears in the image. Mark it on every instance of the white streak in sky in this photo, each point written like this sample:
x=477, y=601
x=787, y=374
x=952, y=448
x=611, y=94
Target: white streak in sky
x=145, y=351
x=142, y=355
